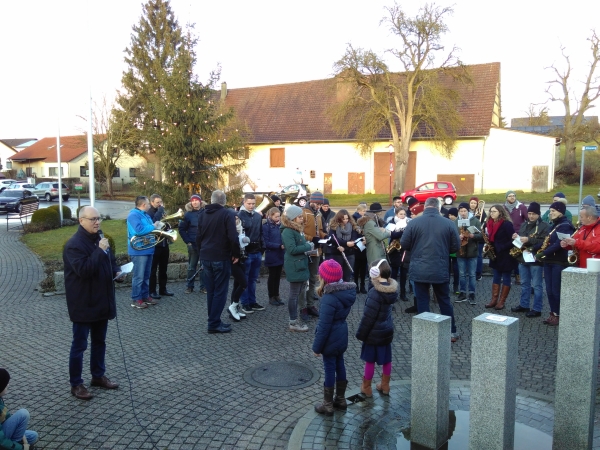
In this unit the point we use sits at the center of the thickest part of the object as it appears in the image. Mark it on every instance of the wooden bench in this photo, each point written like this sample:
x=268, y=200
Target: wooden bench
x=25, y=211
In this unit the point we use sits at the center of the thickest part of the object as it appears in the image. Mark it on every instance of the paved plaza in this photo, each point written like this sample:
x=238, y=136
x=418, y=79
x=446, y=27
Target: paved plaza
x=182, y=388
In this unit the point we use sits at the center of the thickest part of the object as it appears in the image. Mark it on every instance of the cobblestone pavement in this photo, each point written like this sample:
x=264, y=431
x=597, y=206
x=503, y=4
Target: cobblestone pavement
x=182, y=388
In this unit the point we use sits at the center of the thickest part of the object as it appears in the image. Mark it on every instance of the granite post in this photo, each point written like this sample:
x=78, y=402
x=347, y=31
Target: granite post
x=430, y=384
x=494, y=354
x=576, y=360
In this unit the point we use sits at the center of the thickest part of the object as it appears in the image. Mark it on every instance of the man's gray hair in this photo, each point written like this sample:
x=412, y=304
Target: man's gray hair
x=590, y=211
x=82, y=211
x=433, y=202
x=218, y=197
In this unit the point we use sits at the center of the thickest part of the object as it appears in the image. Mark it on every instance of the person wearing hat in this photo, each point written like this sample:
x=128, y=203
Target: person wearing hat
x=374, y=233
x=160, y=259
x=277, y=202
x=532, y=233
x=188, y=230
x=360, y=257
x=331, y=334
x=518, y=215
x=313, y=231
x=588, y=200
x=560, y=197
x=555, y=258
x=327, y=215
x=295, y=262
x=13, y=427
x=411, y=202
x=474, y=210
x=467, y=255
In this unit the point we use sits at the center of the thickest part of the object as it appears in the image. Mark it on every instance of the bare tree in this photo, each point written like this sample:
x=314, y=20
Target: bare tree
x=575, y=128
x=375, y=99
x=538, y=118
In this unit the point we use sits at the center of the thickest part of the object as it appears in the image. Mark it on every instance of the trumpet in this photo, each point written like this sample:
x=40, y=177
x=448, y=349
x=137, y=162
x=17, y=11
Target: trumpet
x=479, y=210
x=166, y=226
x=394, y=246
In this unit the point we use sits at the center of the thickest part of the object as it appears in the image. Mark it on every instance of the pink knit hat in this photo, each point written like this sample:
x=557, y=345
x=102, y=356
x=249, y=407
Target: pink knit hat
x=331, y=271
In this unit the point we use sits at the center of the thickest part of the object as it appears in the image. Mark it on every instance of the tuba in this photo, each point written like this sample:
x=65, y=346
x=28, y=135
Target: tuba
x=265, y=205
x=152, y=239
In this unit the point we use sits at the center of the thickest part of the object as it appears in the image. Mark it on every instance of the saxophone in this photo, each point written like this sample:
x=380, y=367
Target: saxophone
x=464, y=240
x=488, y=248
x=574, y=257
x=545, y=244
x=515, y=252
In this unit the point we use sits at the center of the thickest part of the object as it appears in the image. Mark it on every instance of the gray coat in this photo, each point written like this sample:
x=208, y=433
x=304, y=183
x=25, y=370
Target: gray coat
x=430, y=238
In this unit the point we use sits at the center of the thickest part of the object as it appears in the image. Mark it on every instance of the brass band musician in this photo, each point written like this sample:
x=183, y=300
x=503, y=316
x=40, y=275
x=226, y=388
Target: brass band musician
x=585, y=243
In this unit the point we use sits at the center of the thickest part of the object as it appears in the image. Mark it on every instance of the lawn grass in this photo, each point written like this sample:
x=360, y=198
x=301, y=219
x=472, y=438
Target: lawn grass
x=49, y=244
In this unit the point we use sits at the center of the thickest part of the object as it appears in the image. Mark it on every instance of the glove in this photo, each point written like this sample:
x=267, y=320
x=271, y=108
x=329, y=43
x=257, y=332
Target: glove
x=245, y=240
x=316, y=240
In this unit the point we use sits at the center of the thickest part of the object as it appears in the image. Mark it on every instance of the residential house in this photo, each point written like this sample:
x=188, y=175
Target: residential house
x=292, y=138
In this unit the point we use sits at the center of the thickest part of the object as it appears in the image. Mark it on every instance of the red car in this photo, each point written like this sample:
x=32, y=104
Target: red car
x=442, y=189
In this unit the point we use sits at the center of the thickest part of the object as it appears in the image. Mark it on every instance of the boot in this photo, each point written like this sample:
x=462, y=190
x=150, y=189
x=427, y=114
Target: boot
x=503, y=296
x=339, y=401
x=362, y=288
x=365, y=388
x=327, y=406
x=495, y=294
x=384, y=386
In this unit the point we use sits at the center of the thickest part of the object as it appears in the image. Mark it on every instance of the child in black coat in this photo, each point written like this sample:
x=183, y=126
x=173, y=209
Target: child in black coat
x=376, y=328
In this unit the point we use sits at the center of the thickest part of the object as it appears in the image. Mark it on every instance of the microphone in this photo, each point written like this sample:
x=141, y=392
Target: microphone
x=101, y=234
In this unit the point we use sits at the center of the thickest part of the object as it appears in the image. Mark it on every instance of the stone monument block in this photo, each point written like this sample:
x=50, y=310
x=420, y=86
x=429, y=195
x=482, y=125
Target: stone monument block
x=430, y=379
x=576, y=360
x=59, y=282
x=494, y=351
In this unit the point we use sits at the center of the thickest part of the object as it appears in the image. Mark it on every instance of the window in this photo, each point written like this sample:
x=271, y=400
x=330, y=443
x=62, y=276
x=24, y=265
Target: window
x=116, y=173
x=278, y=157
x=442, y=185
x=8, y=164
x=53, y=171
x=132, y=172
x=426, y=187
x=243, y=154
x=83, y=172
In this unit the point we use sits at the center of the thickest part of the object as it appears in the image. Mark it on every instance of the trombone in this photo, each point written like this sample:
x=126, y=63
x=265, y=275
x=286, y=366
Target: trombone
x=479, y=210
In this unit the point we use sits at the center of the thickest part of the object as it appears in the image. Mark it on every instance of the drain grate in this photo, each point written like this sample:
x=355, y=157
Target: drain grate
x=284, y=375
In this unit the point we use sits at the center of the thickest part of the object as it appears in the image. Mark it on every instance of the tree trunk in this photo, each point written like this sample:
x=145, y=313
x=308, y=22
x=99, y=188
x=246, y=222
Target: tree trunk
x=401, y=165
x=109, y=185
x=157, y=168
x=569, y=160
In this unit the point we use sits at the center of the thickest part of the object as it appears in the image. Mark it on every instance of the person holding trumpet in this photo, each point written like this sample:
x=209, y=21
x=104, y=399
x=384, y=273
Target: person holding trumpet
x=160, y=259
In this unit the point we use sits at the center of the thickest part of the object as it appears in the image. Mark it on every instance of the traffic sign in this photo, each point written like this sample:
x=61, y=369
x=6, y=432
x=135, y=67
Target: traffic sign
x=589, y=147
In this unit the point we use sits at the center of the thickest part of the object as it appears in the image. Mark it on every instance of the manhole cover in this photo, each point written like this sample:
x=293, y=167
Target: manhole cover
x=283, y=375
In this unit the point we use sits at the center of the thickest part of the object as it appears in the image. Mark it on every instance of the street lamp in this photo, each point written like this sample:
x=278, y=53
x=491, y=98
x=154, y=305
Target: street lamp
x=391, y=148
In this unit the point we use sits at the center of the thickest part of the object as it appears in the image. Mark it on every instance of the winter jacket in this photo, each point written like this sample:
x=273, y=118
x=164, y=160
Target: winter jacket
x=252, y=224
x=377, y=326
x=333, y=245
x=396, y=257
x=518, y=215
x=272, y=237
x=188, y=226
x=374, y=239
x=89, y=273
x=471, y=250
x=326, y=218
x=587, y=243
x=156, y=215
x=431, y=239
x=6, y=443
x=331, y=334
x=217, y=238
x=313, y=225
x=502, y=245
x=138, y=224
x=535, y=232
x=295, y=262
x=546, y=217
x=554, y=253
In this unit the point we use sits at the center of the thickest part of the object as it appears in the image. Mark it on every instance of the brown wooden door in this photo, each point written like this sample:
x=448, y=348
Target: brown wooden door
x=539, y=179
x=381, y=175
x=356, y=182
x=464, y=183
x=327, y=183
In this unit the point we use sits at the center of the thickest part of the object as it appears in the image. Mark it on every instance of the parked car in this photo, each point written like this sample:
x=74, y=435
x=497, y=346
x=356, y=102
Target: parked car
x=293, y=190
x=12, y=199
x=4, y=183
x=442, y=189
x=49, y=191
x=22, y=185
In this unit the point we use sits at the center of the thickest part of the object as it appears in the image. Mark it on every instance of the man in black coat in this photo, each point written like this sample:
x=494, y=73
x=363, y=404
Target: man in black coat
x=431, y=239
x=90, y=268
x=160, y=260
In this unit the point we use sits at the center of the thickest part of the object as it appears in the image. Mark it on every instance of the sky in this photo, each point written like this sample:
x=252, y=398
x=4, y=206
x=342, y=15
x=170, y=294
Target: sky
x=56, y=54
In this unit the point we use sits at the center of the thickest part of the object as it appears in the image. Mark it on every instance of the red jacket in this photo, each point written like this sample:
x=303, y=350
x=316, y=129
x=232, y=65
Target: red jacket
x=587, y=243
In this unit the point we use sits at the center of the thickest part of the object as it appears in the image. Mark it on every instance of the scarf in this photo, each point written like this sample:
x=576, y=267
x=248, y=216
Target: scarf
x=400, y=223
x=493, y=227
x=344, y=231
x=510, y=206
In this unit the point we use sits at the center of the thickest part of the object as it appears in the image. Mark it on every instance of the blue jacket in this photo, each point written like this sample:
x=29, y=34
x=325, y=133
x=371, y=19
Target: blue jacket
x=138, y=224
x=188, y=226
x=431, y=238
x=272, y=237
x=554, y=253
x=377, y=326
x=331, y=334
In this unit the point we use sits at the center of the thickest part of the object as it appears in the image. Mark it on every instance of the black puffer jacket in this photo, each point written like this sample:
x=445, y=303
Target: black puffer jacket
x=376, y=326
x=89, y=273
x=554, y=253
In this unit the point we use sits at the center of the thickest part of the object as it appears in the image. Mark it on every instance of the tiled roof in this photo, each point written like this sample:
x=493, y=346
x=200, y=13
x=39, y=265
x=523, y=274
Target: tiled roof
x=45, y=149
x=297, y=112
x=16, y=142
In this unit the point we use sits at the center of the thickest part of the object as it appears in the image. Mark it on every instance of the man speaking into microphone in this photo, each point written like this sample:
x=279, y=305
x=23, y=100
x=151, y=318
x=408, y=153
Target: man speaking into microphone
x=90, y=268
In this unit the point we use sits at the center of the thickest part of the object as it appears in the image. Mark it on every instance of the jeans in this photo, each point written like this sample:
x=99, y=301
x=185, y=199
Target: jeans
x=140, y=282
x=160, y=260
x=238, y=272
x=252, y=269
x=15, y=427
x=479, y=268
x=552, y=276
x=347, y=273
x=97, y=331
x=274, y=280
x=296, y=289
x=193, y=258
x=442, y=296
x=306, y=297
x=503, y=277
x=531, y=276
x=454, y=271
x=466, y=269
x=334, y=368
x=216, y=279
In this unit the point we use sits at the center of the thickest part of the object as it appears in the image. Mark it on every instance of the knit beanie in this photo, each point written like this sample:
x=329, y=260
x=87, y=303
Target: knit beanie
x=411, y=201
x=588, y=200
x=463, y=205
x=534, y=207
x=511, y=192
x=417, y=209
x=275, y=198
x=559, y=206
x=316, y=197
x=4, y=379
x=453, y=211
x=293, y=211
x=326, y=201
x=195, y=196
x=559, y=194
x=331, y=271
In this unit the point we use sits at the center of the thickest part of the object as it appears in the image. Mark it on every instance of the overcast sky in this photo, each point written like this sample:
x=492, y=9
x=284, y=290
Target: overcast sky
x=54, y=53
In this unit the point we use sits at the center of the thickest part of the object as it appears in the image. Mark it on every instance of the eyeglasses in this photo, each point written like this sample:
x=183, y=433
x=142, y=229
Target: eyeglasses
x=93, y=219
x=493, y=211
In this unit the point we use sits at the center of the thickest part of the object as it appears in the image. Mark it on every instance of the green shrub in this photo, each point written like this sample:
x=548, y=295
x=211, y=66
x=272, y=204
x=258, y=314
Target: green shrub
x=46, y=217
x=66, y=211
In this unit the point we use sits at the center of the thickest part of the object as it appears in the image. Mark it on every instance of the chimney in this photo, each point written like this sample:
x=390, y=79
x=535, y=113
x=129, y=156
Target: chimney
x=223, y=91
